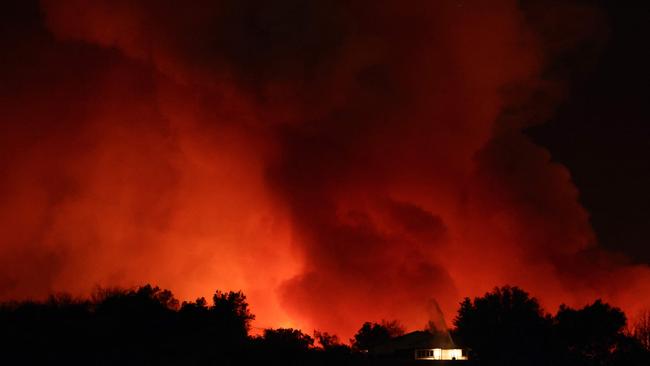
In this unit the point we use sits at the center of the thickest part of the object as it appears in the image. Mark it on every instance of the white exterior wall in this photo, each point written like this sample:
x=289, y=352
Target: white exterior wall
x=440, y=354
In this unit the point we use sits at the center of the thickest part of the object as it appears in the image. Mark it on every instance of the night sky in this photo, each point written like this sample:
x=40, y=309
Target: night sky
x=338, y=161
x=601, y=133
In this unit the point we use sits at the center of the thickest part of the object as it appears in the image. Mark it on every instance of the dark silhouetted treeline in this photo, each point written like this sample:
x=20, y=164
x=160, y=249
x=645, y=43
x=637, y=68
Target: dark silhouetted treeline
x=508, y=327
x=148, y=326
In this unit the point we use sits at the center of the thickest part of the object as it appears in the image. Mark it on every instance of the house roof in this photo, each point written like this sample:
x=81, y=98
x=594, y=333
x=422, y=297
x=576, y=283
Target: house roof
x=415, y=340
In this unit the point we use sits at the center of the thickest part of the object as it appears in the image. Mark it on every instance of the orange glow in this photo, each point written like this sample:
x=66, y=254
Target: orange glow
x=382, y=175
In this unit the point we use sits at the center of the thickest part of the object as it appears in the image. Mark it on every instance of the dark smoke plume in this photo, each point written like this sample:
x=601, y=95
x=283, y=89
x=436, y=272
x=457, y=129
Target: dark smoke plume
x=338, y=161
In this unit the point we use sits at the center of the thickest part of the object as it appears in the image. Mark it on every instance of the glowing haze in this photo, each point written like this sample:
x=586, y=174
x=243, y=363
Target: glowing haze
x=337, y=161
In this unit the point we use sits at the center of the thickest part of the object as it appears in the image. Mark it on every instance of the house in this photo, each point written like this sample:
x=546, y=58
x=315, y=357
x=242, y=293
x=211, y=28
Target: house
x=421, y=346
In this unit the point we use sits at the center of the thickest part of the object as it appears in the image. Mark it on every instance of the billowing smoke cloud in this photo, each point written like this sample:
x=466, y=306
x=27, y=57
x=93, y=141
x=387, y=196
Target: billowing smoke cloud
x=338, y=161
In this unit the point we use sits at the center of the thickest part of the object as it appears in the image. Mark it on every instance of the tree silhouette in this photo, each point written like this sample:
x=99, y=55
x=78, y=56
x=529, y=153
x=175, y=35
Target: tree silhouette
x=230, y=313
x=589, y=335
x=373, y=334
x=287, y=340
x=504, y=327
x=641, y=329
x=327, y=341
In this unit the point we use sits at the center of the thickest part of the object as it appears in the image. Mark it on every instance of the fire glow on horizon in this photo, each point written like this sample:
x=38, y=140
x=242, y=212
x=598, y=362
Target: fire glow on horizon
x=338, y=162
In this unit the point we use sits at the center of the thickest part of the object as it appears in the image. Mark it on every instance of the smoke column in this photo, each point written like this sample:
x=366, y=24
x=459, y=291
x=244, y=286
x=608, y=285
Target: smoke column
x=337, y=161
